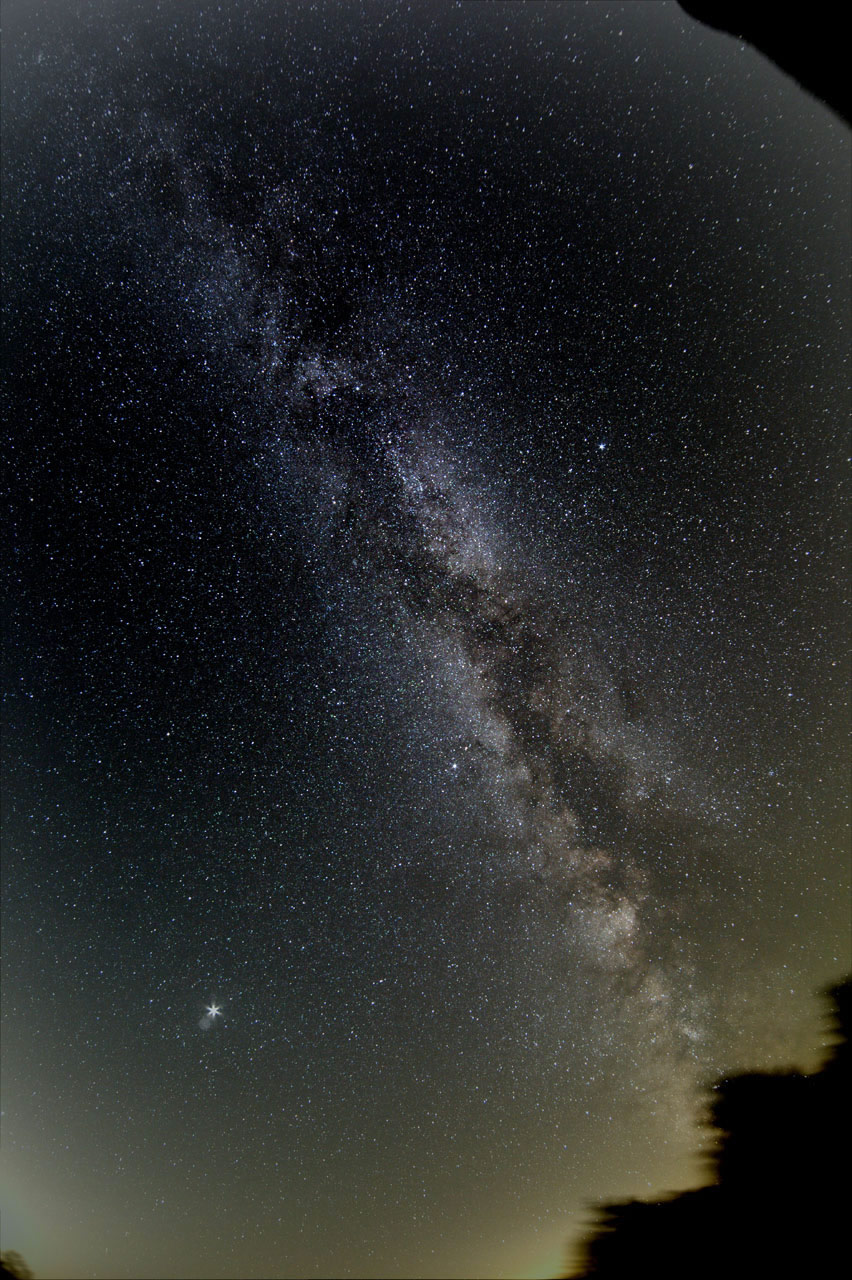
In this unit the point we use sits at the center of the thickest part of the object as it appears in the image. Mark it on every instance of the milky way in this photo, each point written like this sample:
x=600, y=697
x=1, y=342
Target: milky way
x=425, y=656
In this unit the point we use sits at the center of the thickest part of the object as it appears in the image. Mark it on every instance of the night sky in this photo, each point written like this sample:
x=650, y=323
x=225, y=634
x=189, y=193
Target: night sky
x=425, y=663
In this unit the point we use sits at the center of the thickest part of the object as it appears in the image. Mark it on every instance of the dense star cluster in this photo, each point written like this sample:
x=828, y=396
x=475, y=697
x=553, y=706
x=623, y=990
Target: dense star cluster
x=425, y=739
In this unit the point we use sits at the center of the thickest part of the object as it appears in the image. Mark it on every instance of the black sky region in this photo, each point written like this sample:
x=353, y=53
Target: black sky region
x=425, y=664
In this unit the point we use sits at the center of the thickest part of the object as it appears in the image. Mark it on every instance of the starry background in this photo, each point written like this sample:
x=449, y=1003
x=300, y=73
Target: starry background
x=424, y=638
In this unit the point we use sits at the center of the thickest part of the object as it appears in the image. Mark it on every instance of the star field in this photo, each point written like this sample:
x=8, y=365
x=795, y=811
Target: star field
x=425, y=660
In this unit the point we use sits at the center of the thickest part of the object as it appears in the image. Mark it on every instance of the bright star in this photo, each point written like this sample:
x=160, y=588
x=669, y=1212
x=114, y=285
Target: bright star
x=214, y=1010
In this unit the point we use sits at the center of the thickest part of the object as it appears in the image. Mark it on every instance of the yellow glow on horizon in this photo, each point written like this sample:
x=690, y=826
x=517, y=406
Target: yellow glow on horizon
x=548, y=1265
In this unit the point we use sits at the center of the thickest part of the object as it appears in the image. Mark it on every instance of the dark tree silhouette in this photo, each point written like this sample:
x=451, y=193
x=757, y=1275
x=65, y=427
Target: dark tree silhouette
x=13, y=1267
x=805, y=42
x=779, y=1202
